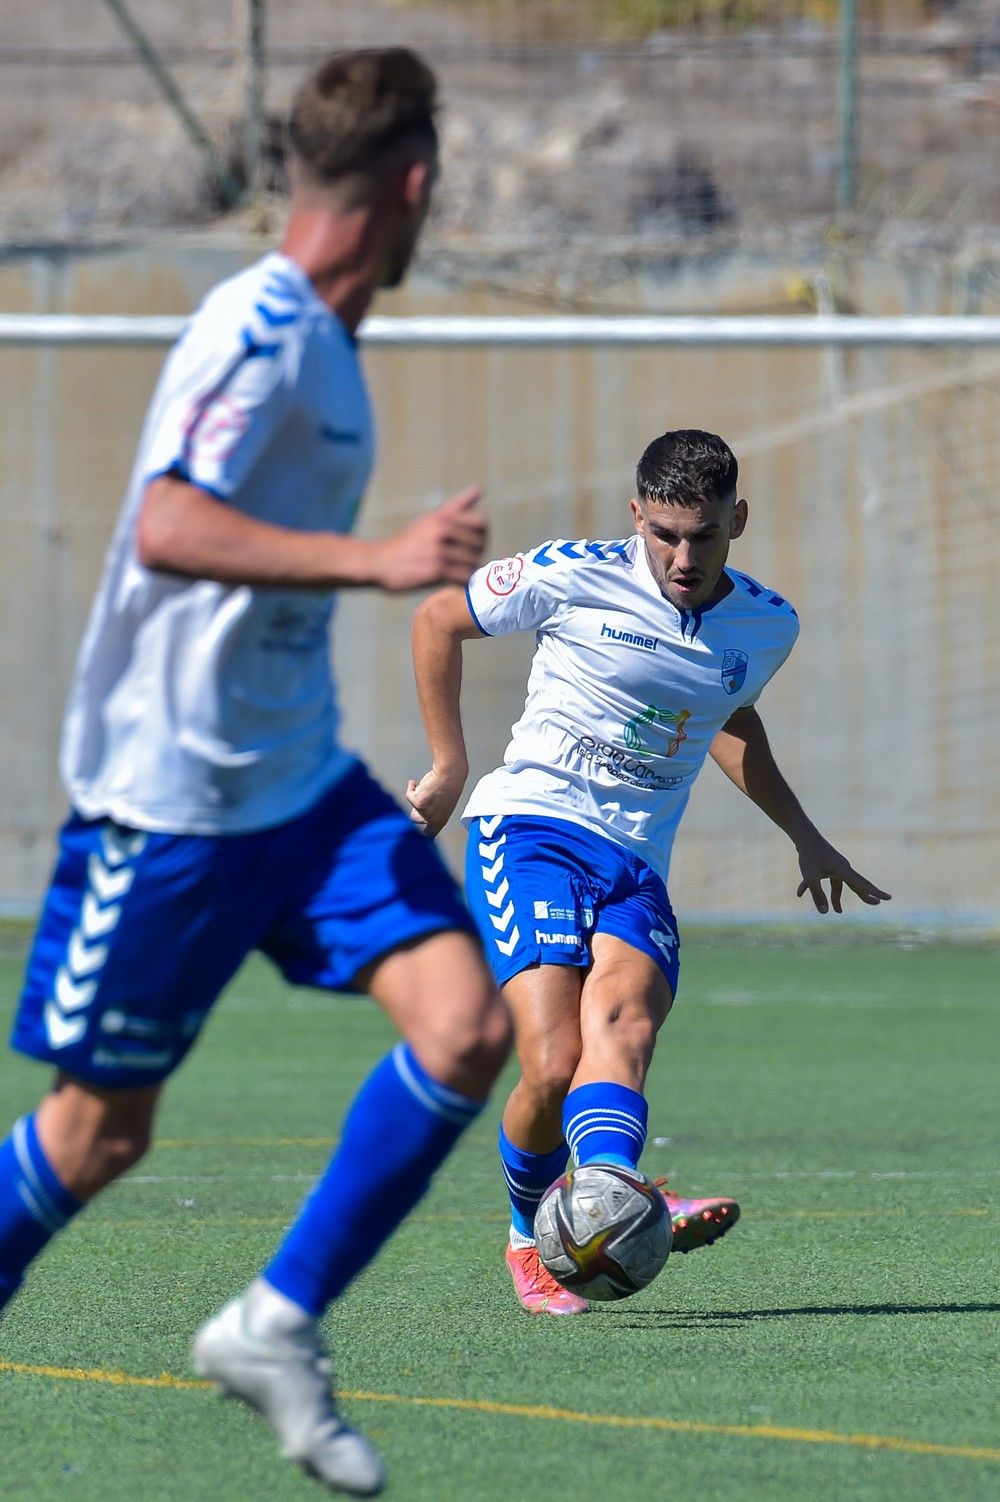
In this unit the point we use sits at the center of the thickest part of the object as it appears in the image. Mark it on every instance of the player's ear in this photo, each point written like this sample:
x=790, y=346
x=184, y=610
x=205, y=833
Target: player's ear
x=737, y=525
x=637, y=515
x=417, y=181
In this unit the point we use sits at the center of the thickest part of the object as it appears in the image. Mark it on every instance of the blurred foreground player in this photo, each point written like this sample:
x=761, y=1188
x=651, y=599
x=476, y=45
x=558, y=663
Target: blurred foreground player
x=651, y=656
x=213, y=810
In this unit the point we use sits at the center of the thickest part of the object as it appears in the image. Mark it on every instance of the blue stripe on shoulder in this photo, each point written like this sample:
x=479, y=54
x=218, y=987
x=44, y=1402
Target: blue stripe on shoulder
x=752, y=587
x=254, y=349
x=578, y=551
x=272, y=318
x=756, y=590
x=282, y=290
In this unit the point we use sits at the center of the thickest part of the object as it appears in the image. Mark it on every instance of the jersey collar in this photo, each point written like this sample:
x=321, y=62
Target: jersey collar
x=688, y=621
x=293, y=271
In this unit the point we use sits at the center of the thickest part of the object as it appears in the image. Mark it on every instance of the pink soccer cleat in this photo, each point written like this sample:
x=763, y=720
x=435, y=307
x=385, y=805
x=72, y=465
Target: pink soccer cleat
x=536, y=1288
x=698, y=1222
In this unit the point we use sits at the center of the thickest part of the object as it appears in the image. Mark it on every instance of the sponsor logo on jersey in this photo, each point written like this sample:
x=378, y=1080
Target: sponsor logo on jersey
x=548, y=912
x=503, y=577
x=653, y=716
x=734, y=670
x=629, y=638
x=296, y=628
x=624, y=766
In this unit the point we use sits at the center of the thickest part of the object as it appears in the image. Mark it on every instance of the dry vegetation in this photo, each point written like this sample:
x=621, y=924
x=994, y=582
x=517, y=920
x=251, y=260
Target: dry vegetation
x=681, y=136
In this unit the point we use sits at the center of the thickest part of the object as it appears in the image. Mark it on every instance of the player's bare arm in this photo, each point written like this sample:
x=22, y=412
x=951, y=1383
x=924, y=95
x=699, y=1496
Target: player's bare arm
x=742, y=750
x=184, y=530
x=440, y=626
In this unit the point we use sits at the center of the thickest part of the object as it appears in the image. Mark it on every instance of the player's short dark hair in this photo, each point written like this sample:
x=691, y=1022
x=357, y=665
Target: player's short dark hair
x=358, y=106
x=685, y=468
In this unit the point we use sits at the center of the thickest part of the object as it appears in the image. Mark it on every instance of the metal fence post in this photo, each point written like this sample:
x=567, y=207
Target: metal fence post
x=248, y=37
x=847, y=109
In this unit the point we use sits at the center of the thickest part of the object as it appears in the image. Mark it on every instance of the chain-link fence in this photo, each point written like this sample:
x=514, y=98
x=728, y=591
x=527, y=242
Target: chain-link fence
x=666, y=126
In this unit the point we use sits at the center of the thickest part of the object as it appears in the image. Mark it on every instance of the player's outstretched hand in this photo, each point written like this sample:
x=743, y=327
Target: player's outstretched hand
x=445, y=546
x=433, y=799
x=819, y=862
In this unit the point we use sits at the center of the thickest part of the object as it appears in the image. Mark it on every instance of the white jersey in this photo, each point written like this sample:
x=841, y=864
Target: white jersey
x=208, y=708
x=625, y=693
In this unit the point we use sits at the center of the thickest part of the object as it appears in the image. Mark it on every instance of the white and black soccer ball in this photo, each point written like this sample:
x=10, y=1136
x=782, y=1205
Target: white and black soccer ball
x=603, y=1231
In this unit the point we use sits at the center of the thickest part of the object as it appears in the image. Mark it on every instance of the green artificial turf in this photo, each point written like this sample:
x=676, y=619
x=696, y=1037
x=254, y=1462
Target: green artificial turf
x=845, y=1093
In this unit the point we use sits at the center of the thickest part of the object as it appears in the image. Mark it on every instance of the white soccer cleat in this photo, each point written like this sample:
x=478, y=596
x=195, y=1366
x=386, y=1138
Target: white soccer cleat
x=288, y=1381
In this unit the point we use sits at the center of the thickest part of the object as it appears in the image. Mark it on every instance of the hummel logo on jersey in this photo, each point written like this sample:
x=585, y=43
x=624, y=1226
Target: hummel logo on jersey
x=664, y=941
x=630, y=638
x=543, y=938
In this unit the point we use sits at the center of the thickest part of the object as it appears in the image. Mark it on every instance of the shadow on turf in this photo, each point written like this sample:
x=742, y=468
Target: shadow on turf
x=719, y=1319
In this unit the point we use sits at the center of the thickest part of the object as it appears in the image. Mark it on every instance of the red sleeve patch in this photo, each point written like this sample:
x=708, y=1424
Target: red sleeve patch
x=504, y=576
x=217, y=429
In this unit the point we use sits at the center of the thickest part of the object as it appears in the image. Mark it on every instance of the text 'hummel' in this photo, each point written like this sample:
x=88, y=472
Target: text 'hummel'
x=630, y=638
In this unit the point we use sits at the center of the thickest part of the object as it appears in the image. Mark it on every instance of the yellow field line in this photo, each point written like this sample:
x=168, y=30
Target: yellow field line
x=326, y=1142
x=98, y=1374
x=538, y=1411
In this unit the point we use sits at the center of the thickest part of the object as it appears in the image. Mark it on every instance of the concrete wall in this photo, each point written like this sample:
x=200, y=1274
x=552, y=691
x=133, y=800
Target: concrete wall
x=871, y=479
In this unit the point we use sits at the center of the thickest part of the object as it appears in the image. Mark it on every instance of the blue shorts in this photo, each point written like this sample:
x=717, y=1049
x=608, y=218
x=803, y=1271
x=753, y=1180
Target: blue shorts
x=140, y=932
x=539, y=888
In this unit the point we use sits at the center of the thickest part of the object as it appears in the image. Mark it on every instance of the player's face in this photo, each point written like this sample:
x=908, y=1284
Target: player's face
x=687, y=547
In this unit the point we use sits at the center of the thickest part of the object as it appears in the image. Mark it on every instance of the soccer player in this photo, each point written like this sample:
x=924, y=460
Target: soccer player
x=651, y=655
x=214, y=811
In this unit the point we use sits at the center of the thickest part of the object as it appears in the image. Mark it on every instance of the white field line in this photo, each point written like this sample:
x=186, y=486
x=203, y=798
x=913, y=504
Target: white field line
x=952, y=1176
x=840, y=999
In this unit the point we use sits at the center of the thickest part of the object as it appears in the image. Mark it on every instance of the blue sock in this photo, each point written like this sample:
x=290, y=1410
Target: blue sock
x=606, y=1123
x=528, y=1175
x=34, y=1205
x=401, y=1127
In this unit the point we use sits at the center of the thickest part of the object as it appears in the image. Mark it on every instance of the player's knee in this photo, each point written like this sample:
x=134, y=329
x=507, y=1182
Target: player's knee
x=496, y=1036
x=481, y=1048
x=465, y=1044
x=548, y=1072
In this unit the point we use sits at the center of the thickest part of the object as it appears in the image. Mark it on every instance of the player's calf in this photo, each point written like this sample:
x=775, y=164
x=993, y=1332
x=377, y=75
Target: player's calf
x=79, y=1140
x=92, y=1134
x=34, y=1204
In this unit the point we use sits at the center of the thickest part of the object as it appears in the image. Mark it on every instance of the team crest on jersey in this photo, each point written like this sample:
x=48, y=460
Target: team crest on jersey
x=734, y=670
x=503, y=577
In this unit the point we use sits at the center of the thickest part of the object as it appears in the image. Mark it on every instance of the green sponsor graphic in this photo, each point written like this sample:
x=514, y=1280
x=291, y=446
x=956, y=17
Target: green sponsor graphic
x=653, y=716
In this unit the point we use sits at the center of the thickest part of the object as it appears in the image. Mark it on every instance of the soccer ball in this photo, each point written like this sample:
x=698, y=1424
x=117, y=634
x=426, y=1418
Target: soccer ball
x=603, y=1231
